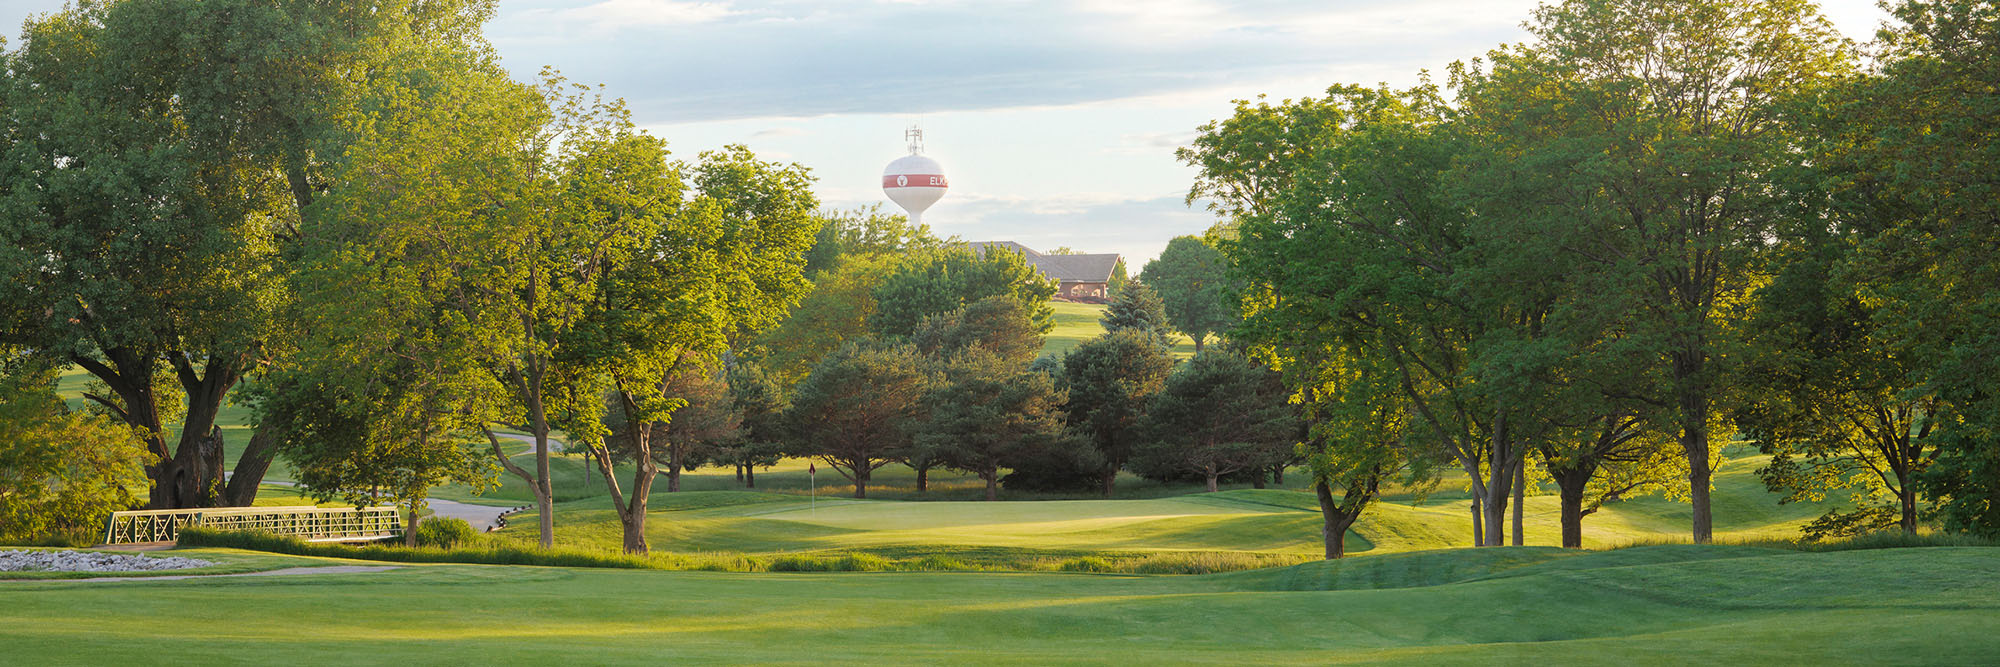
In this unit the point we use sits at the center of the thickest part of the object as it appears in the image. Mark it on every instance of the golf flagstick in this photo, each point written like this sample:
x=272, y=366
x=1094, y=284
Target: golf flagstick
x=812, y=489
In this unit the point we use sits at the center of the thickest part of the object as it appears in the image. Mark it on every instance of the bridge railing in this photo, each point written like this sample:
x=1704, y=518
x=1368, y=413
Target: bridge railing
x=313, y=524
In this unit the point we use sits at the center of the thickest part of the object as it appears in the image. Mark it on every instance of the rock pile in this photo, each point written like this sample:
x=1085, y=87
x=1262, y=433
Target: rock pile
x=86, y=561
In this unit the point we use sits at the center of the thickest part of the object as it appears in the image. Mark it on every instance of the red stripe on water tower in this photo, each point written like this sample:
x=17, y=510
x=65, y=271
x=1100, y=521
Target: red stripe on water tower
x=915, y=181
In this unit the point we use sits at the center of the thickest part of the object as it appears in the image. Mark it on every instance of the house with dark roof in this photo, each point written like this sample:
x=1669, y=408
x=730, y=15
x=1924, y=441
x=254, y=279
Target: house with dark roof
x=1078, y=277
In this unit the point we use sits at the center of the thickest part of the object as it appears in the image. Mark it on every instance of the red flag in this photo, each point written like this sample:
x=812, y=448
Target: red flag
x=812, y=469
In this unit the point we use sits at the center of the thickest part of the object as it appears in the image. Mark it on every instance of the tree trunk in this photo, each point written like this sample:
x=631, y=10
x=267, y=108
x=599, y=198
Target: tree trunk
x=1572, y=515
x=739, y=474
x=1520, y=498
x=1197, y=343
x=992, y=478
x=634, y=515
x=1693, y=400
x=1478, y=524
x=1907, y=497
x=545, y=503
x=1107, y=478
x=1334, y=521
x=1257, y=478
x=410, y=524
x=1211, y=481
x=923, y=478
x=750, y=476
x=1278, y=475
x=861, y=474
x=250, y=469
x=1494, y=505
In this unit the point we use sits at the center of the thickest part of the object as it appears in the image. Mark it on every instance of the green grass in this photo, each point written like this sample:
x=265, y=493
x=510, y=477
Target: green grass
x=1147, y=518
x=1657, y=605
x=1077, y=322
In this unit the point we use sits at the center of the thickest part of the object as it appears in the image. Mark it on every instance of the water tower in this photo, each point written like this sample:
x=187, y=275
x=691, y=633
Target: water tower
x=913, y=181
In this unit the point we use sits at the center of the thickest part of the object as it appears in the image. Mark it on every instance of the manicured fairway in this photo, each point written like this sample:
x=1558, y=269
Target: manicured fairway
x=1275, y=522
x=1654, y=605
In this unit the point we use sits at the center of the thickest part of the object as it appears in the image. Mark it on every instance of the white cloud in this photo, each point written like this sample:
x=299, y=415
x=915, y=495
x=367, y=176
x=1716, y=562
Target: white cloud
x=609, y=16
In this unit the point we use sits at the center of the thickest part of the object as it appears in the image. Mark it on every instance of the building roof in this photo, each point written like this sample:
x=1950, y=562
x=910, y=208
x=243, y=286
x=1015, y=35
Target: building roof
x=1061, y=268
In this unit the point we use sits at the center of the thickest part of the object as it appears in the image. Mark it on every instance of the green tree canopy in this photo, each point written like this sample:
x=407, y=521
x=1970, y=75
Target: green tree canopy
x=1138, y=308
x=1215, y=416
x=1192, y=279
x=1107, y=382
x=935, y=282
x=859, y=410
x=995, y=324
x=61, y=471
x=987, y=413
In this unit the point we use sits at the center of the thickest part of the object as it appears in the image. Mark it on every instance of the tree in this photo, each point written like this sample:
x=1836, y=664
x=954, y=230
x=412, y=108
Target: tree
x=997, y=325
x=1828, y=397
x=1359, y=435
x=391, y=439
x=61, y=471
x=939, y=281
x=864, y=233
x=179, y=146
x=1921, y=173
x=1192, y=280
x=760, y=407
x=1218, y=415
x=1107, y=382
x=987, y=413
x=724, y=266
x=1660, y=114
x=698, y=430
x=1139, y=309
x=851, y=255
x=1369, y=244
x=859, y=410
x=834, y=313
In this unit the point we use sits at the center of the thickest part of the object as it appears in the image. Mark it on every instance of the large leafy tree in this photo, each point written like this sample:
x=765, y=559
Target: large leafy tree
x=1369, y=244
x=1920, y=174
x=859, y=410
x=719, y=268
x=1107, y=382
x=1192, y=279
x=938, y=281
x=1215, y=416
x=997, y=325
x=1829, y=398
x=395, y=286
x=163, y=156
x=1665, y=120
x=987, y=413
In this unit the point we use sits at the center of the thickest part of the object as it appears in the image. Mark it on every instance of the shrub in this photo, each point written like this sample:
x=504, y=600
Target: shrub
x=444, y=532
x=1087, y=564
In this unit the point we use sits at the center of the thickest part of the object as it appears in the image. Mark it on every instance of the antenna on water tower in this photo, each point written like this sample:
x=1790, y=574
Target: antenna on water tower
x=914, y=181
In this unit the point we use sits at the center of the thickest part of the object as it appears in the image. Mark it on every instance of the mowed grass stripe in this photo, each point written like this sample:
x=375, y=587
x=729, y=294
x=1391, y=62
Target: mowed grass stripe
x=1844, y=607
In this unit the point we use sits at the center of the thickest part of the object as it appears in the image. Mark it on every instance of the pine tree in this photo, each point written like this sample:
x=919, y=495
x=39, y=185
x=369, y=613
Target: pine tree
x=1138, y=308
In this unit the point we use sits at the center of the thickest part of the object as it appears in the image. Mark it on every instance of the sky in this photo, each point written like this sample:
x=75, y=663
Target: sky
x=1056, y=120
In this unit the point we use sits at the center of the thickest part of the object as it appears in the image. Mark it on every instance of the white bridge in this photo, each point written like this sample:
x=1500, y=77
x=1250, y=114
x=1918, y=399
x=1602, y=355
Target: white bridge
x=313, y=524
